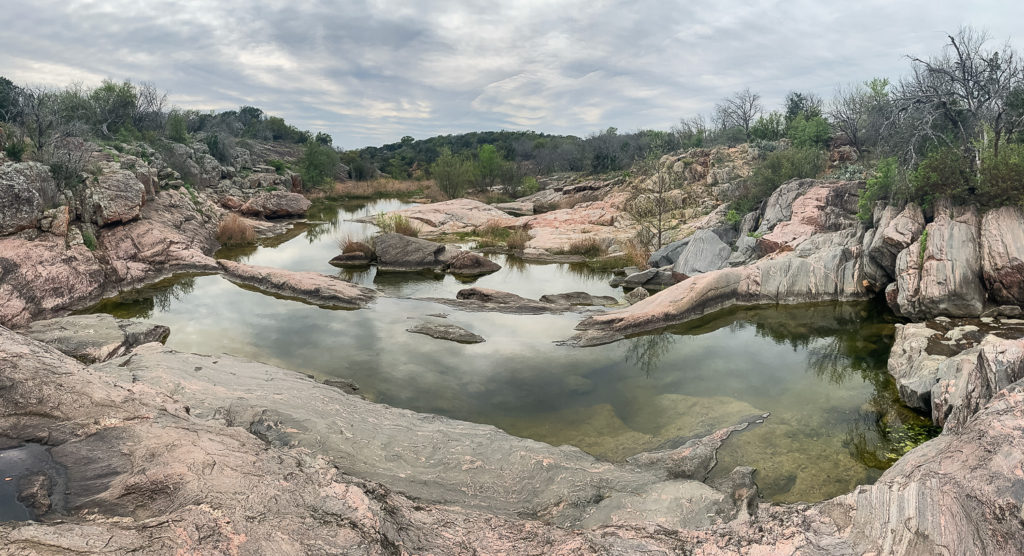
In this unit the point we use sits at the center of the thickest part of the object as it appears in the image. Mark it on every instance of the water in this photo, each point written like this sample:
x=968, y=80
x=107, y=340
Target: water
x=818, y=369
x=15, y=463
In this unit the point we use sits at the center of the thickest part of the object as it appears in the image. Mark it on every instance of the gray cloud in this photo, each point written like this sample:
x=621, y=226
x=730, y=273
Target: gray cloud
x=371, y=71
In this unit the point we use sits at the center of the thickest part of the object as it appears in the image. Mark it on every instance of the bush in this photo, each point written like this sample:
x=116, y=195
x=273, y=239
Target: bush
x=778, y=168
x=279, y=166
x=944, y=172
x=587, y=247
x=1002, y=178
x=235, y=230
x=636, y=252
x=879, y=187
x=15, y=150
x=809, y=133
x=517, y=239
x=395, y=223
x=733, y=217
x=318, y=165
x=177, y=127
x=530, y=186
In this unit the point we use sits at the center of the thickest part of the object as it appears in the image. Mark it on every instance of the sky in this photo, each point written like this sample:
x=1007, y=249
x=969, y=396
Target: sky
x=372, y=71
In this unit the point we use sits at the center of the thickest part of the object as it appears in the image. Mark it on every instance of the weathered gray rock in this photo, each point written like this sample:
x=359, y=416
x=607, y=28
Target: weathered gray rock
x=22, y=204
x=449, y=332
x=668, y=254
x=312, y=287
x=779, y=207
x=403, y=253
x=578, y=298
x=1002, y=255
x=351, y=260
x=822, y=266
x=95, y=338
x=637, y=295
x=517, y=208
x=944, y=276
x=746, y=252
x=469, y=264
x=705, y=252
x=894, y=232
x=276, y=204
x=114, y=196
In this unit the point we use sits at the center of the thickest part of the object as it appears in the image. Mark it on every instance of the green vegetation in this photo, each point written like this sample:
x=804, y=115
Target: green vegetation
x=589, y=247
x=878, y=187
x=318, y=165
x=89, y=240
x=177, y=127
x=778, y=168
x=924, y=246
x=279, y=166
x=452, y=173
x=395, y=223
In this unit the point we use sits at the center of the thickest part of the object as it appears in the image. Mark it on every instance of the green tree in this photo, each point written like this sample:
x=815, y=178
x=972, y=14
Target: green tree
x=177, y=126
x=8, y=99
x=768, y=128
x=878, y=187
x=317, y=165
x=490, y=166
x=809, y=132
x=452, y=173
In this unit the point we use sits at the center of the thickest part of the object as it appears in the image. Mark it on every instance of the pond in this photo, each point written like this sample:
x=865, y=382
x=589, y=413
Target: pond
x=819, y=370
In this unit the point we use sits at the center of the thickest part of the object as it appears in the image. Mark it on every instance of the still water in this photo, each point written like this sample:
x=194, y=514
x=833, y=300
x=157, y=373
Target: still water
x=818, y=369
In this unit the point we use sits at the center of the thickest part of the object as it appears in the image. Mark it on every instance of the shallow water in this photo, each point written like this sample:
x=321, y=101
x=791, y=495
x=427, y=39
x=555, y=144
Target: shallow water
x=818, y=369
x=15, y=463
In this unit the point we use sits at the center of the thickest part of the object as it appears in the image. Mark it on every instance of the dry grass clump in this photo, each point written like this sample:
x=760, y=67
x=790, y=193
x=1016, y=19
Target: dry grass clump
x=379, y=188
x=349, y=245
x=636, y=254
x=587, y=247
x=493, y=230
x=517, y=239
x=397, y=224
x=235, y=230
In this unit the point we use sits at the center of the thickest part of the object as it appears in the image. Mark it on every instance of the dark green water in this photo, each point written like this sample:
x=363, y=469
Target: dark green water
x=819, y=370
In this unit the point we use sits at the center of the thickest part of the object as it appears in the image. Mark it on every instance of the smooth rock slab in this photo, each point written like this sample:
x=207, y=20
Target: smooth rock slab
x=449, y=332
x=277, y=204
x=578, y=298
x=95, y=338
x=312, y=287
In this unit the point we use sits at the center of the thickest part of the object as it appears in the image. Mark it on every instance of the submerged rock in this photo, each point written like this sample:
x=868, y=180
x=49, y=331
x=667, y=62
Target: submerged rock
x=311, y=287
x=449, y=332
x=578, y=298
x=95, y=338
x=488, y=300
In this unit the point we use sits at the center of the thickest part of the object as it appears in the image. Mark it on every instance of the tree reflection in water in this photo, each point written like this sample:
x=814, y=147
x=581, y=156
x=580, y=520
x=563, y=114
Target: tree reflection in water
x=646, y=352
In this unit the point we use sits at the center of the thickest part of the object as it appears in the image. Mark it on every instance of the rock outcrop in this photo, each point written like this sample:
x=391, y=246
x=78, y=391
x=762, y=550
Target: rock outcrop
x=276, y=204
x=20, y=200
x=582, y=299
x=115, y=196
x=488, y=300
x=457, y=215
x=940, y=273
x=820, y=263
x=396, y=252
x=1002, y=255
x=952, y=371
x=312, y=287
x=704, y=252
x=95, y=338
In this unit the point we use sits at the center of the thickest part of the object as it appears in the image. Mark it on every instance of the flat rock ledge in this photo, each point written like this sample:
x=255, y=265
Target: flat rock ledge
x=487, y=300
x=450, y=332
x=170, y=452
x=95, y=338
x=311, y=287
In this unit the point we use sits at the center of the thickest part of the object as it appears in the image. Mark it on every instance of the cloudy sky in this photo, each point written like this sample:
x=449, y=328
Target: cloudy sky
x=371, y=71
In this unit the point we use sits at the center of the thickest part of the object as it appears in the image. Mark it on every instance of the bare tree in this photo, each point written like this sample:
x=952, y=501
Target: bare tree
x=860, y=111
x=739, y=110
x=965, y=95
x=653, y=200
x=691, y=132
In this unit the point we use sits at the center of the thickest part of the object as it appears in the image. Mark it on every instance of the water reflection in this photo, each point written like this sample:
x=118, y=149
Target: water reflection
x=818, y=369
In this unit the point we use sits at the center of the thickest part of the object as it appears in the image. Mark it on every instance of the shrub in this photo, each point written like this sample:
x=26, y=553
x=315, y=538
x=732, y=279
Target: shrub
x=235, y=230
x=395, y=223
x=944, y=172
x=279, y=166
x=89, y=240
x=636, y=253
x=530, y=186
x=517, y=239
x=587, y=247
x=879, y=187
x=778, y=168
x=15, y=148
x=811, y=132
x=733, y=217
x=1002, y=178
x=177, y=127
x=318, y=164
x=453, y=174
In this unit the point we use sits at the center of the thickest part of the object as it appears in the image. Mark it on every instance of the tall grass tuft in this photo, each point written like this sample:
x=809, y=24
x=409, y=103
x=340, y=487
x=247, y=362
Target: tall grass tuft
x=517, y=239
x=235, y=230
x=587, y=247
x=397, y=224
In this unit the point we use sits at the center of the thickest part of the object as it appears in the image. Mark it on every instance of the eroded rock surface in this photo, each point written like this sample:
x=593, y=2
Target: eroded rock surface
x=450, y=332
x=20, y=184
x=116, y=196
x=312, y=287
x=276, y=204
x=1002, y=255
x=95, y=338
x=456, y=215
